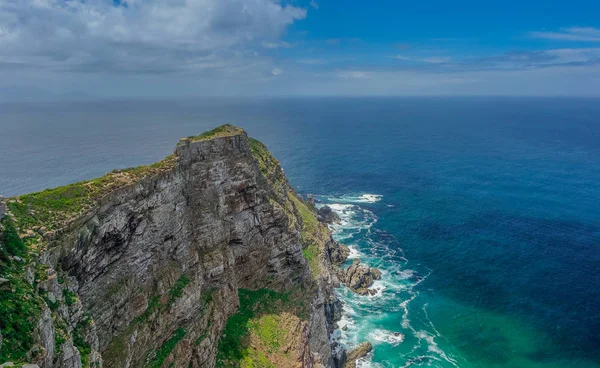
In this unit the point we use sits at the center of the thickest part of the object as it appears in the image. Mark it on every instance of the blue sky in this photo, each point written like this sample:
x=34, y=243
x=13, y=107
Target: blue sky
x=185, y=48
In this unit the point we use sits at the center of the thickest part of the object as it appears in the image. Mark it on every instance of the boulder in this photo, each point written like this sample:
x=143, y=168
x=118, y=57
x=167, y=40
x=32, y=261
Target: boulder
x=326, y=215
x=359, y=277
x=357, y=353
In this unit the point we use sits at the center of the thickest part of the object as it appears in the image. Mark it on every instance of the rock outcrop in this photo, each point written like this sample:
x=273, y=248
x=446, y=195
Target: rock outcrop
x=142, y=267
x=358, y=352
x=327, y=215
x=359, y=277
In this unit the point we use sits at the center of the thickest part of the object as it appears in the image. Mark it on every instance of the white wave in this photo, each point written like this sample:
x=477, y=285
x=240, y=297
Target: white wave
x=406, y=274
x=358, y=320
x=433, y=347
x=379, y=286
x=385, y=336
x=354, y=253
x=341, y=208
x=363, y=198
x=371, y=198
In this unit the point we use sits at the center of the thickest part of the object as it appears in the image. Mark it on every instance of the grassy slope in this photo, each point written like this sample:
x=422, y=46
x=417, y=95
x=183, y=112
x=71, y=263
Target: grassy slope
x=256, y=337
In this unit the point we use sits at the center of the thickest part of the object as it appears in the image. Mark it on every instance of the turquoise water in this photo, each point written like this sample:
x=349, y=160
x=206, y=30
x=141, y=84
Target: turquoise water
x=483, y=213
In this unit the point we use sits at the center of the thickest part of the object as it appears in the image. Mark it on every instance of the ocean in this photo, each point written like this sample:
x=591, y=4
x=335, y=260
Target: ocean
x=482, y=213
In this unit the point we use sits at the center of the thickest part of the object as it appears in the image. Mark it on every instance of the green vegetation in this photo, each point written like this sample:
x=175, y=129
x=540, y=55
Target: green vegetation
x=70, y=297
x=40, y=273
x=166, y=348
x=20, y=306
x=310, y=225
x=51, y=209
x=261, y=314
x=78, y=340
x=177, y=289
x=268, y=165
x=311, y=253
x=226, y=130
x=207, y=295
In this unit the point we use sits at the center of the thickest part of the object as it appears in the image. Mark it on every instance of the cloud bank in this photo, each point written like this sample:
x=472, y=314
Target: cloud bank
x=137, y=36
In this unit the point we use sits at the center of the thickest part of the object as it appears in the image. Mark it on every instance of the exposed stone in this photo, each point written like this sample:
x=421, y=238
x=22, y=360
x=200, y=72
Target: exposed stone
x=359, y=277
x=338, y=252
x=327, y=215
x=376, y=273
x=360, y=351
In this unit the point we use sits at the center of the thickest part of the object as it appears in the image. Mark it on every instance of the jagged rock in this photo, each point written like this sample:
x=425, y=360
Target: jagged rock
x=338, y=253
x=376, y=273
x=7, y=364
x=311, y=199
x=360, y=351
x=359, y=277
x=327, y=215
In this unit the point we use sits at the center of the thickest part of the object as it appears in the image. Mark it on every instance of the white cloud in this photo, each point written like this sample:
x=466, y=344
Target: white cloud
x=428, y=60
x=138, y=36
x=314, y=4
x=276, y=71
x=276, y=45
x=353, y=74
x=584, y=34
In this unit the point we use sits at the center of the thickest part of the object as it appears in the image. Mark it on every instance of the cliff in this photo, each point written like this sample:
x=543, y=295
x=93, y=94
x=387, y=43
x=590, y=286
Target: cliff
x=208, y=258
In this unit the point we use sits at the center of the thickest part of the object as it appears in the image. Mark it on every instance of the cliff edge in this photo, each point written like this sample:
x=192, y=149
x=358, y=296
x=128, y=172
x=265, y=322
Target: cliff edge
x=208, y=258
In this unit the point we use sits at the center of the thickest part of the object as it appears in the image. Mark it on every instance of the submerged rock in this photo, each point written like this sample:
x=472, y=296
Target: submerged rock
x=327, y=215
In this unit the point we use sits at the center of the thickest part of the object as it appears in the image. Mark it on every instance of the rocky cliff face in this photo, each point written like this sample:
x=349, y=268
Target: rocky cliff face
x=143, y=267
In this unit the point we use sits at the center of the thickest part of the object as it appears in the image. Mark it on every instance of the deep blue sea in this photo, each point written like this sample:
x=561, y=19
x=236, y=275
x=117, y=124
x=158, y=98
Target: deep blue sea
x=483, y=213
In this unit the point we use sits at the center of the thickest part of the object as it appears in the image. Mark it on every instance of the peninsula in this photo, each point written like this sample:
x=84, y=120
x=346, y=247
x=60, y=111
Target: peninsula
x=208, y=258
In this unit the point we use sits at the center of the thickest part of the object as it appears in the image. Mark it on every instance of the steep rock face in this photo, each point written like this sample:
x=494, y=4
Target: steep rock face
x=149, y=274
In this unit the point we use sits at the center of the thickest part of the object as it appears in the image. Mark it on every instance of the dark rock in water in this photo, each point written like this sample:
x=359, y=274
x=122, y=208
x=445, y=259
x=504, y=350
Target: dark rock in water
x=345, y=328
x=396, y=333
x=328, y=216
x=357, y=353
x=359, y=277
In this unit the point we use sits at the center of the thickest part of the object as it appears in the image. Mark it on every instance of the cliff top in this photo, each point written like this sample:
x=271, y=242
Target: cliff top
x=37, y=215
x=226, y=130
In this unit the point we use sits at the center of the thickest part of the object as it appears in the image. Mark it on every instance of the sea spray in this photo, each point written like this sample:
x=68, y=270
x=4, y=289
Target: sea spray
x=402, y=334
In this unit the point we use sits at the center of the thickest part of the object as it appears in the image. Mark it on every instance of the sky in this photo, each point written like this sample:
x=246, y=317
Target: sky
x=193, y=48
